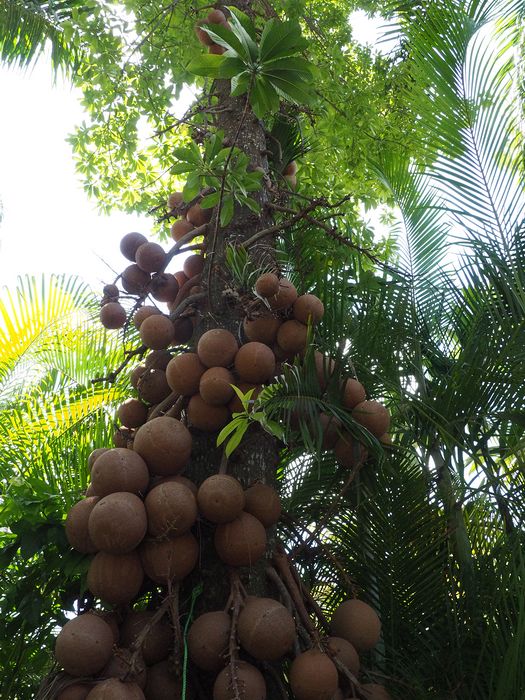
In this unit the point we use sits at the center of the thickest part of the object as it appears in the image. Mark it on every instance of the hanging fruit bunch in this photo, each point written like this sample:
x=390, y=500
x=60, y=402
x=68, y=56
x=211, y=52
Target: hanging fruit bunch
x=189, y=592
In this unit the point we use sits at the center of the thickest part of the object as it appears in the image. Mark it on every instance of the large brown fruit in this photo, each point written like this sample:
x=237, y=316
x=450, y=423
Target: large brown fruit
x=292, y=337
x=262, y=329
x=113, y=689
x=175, y=200
x=157, y=332
x=220, y=498
x=358, y=623
x=215, y=386
x=150, y=257
x=208, y=640
x=373, y=416
x=266, y=629
x=134, y=280
x=129, y=244
x=83, y=646
x=308, y=309
x=184, y=373
x=203, y=416
x=126, y=667
x=250, y=683
x=143, y=313
x=285, y=297
x=135, y=375
x=345, y=652
x=180, y=228
x=77, y=691
x=198, y=216
x=119, y=469
x=264, y=503
x=348, y=452
x=164, y=287
x=241, y=542
x=158, y=359
x=193, y=265
x=216, y=17
x=267, y=285
x=132, y=413
x=169, y=560
x=178, y=480
x=115, y=578
x=157, y=642
x=313, y=676
x=94, y=455
x=374, y=691
x=163, y=684
x=113, y=315
x=153, y=386
x=171, y=509
x=217, y=348
x=255, y=363
x=76, y=525
x=118, y=523
x=165, y=445
x=353, y=393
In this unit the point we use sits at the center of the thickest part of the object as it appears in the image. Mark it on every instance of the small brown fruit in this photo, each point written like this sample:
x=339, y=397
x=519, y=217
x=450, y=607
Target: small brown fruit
x=164, y=287
x=118, y=523
x=129, y=244
x=183, y=328
x=158, y=641
x=216, y=17
x=150, y=257
x=83, y=646
x=112, y=315
x=198, y=216
x=215, y=386
x=255, y=363
x=165, y=445
x=216, y=49
x=358, y=623
x=292, y=337
x=158, y=359
x=220, y=498
x=241, y=542
x=113, y=689
x=135, y=375
x=267, y=285
x=353, y=393
x=262, y=329
x=171, y=508
x=264, y=503
x=348, y=452
x=157, y=332
x=217, y=348
x=77, y=691
x=308, y=309
x=175, y=200
x=208, y=640
x=94, y=455
x=266, y=629
x=126, y=667
x=123, y=437
x=204, y=416
x=184, y=373
x=143, y=313
x=115, y=578
x=250, y=683
x=163, y=684
x=153, y=387
x=132, y=413
x=373, y=416
x=119, y=469
x=313, y=676
x=193, y=265
x=180, y=228
x=291, y=168
x=169, y=560
x=345, y=652
x=134, y=280
x=285, y=297
x=76, y=525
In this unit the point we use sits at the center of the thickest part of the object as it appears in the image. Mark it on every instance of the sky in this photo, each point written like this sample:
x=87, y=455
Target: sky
x=49, y=224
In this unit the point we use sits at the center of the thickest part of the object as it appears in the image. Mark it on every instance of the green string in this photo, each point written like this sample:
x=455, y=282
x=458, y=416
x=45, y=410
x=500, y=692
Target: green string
x=194, y=595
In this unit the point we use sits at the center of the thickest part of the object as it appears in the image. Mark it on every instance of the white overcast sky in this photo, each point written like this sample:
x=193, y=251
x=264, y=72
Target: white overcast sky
x=49, y=224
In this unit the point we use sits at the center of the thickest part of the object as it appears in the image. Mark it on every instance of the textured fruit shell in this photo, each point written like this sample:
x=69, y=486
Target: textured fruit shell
x=84, y=645
x=241, y=542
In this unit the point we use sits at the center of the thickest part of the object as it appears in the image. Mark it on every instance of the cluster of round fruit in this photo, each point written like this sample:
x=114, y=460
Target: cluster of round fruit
x=214, y=17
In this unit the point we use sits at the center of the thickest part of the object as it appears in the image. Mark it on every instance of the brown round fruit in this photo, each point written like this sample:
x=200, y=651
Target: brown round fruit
x=83, y=646
x=180, y=228
x=262, y=329
x=202, y=36
x=292, y=337
x=215, y=386
x=132, y=413
x=123, y=437
x=175, y=200
x=153, y=386
x=198, y=216
x=348, y=452
x=158, y=359
x=165, y=445
x=353, y=393
x=241, y=542
x=171, y=508
x=118, y=523
x=178, y=480
x=115, y=578
x=134, y=280
x=76, y=691
x=313, y=676
x=308, y=309
x=157, y=332
x=126, y=667
x=250, y=683
x=285, y=297
x=76, y=525
x=150, y=257
x=144, y=312
x=255, y=363
x=266, y=629
x=374, y=691
x=157, y=642
x=208, y=640
x=373, y=416
x=345, y=652
x=129, y=244
x=119, y=469
x=206, y=417
x=135, y=375
x=164, y=287
x=220, y=498
x=94, y=455
x=358, y=623
x=267, y=285
x=112, y=315
x=291, y=168
x=216, y=17
x=169, y=560
x=184, y=373
x=263, y=502
x=113, y=689
x=193, y=265
x=183, y=328
x=217, y=348
x=163, y=684
x=216, y=49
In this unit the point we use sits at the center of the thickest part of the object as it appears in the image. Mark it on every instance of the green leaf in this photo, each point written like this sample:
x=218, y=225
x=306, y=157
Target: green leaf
x=240, y=83
x=226, y=210
x=230, y=67
x=245, y=31
x=236, y=438
x=207, y=65
x=228, y=429
x=229, y=40
x=243, y=398
x=264, y=97
x=280, y=39
x=210, y=200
